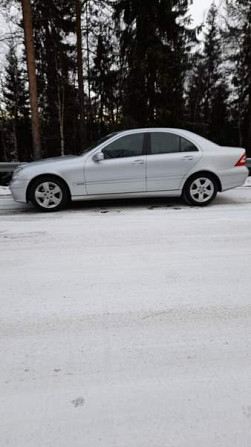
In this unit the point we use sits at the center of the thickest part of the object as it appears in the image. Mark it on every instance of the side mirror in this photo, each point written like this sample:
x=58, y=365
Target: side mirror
x=98, y=157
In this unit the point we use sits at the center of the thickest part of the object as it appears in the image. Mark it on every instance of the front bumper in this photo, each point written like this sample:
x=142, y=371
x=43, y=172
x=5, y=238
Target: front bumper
x=18, y=190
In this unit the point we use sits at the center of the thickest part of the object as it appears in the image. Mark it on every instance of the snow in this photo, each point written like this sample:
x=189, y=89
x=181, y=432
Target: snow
x=4, y=190
x=126, y=324
x=248, y=181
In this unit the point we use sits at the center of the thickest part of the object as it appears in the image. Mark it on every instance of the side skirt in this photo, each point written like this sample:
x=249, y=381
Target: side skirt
x=176, y=193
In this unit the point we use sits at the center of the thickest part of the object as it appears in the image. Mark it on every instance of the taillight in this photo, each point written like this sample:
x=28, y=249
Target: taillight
x=242, y=160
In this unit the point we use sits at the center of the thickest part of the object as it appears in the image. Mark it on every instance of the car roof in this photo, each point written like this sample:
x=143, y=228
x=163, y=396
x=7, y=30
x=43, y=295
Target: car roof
x=193, y=137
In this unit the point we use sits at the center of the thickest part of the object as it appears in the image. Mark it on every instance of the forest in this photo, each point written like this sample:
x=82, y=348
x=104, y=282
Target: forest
x=76, y=70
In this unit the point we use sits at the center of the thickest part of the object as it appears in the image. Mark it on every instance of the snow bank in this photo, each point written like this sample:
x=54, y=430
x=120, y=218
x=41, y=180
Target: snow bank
x=4, y=191
x=126, y=328
x=248, y=181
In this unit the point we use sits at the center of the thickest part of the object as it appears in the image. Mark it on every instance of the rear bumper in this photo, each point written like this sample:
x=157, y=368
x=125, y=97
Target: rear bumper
x=232, y=178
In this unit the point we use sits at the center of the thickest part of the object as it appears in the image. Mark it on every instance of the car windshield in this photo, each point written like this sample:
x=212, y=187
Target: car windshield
x=98, y=142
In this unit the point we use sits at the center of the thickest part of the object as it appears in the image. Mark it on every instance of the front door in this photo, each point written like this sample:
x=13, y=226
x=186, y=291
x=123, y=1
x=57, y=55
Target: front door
x=123, y=169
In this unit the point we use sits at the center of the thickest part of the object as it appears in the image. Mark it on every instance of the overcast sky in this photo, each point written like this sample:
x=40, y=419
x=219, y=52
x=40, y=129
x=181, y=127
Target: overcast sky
x=200, y=8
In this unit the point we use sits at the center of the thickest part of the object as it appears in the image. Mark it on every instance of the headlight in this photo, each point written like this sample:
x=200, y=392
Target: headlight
x=17, y=172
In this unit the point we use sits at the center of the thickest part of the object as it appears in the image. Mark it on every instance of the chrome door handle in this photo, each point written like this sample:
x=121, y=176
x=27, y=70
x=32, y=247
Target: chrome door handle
x=188, y=157
x=138, y=162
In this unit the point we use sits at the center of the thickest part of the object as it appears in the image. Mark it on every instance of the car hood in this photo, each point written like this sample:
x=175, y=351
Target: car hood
x=46, y=161
x=51, y=160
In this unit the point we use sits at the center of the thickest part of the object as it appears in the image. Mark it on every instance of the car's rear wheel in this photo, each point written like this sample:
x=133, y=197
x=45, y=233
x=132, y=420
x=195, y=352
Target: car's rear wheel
x=200, y=190
x=49, y=194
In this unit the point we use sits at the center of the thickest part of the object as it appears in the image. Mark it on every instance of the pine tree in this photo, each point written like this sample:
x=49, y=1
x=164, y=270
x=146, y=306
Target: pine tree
x=238, y=42
x=195, y=94
x=16, y=107
x=100, y=53
x=153, y=44
x=207, y=92
x=104, y=77
x=212, y=60
x=81, y=96
x=56, y=62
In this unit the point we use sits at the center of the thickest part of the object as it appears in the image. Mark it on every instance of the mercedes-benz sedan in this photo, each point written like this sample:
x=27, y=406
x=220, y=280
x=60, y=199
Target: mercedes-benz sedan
x=133, y=163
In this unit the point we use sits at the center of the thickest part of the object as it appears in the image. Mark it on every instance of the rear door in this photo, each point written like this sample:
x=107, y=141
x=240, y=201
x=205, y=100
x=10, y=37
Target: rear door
x=169, y=160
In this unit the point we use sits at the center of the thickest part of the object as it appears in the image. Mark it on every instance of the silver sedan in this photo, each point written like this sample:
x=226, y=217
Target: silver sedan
x=134, y=163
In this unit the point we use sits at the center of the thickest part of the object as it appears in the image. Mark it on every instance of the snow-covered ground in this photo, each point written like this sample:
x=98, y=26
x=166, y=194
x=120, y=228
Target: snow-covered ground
x=4, y=190
x=126, y=324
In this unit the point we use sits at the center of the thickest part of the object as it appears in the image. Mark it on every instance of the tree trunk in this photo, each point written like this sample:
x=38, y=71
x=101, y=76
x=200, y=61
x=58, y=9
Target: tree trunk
x=31, y=66
x=14, y=152
x=80, y=73
x=248, y=58
x=2, y=132
x=90, y=114
x=2, y=128
x=248, y=145
x=61, y=101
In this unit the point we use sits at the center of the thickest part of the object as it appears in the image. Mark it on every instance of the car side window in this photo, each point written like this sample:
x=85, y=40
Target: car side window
x=164, y=143
x=127, y=146
x=187, y=146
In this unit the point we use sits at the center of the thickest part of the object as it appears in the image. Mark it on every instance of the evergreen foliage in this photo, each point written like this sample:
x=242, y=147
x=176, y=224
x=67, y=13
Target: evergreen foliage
x=238, y=40
x=16, y=98
x=55, y=56
x=207, y=91
x=141, y=66
x=104, y=77
x=153, y=46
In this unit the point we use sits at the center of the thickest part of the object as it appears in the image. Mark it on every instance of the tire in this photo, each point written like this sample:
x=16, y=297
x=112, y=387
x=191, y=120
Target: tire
x=49, y=194
x=200, y=190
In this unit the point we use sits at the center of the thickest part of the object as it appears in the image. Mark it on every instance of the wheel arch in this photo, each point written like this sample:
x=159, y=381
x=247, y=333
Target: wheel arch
x=204, y=172
x=52, y=176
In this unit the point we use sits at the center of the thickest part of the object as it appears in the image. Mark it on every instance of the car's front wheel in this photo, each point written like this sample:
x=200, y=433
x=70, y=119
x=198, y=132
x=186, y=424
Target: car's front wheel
x=200, y=190
x=49, y=194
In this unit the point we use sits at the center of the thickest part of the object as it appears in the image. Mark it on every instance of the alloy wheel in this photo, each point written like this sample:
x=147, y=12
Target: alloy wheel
x=202, y=189
x=48, y=195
